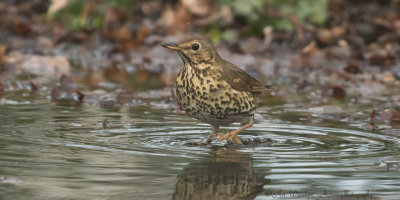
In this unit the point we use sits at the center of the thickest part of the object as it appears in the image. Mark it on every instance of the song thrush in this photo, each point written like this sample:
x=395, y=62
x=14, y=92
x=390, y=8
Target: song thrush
x=214, y=90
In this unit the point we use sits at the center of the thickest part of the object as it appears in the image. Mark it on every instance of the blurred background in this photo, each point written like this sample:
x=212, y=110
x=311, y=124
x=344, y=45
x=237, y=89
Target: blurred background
x=326, y=49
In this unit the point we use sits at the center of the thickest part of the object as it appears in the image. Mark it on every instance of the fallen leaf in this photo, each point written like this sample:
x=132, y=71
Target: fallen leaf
x=21, y=26
x=324, y=36
x=3, y=56
x=310, y=49
x=338, y=93
x=124, y=34
x=353, y=67
x=382, y=60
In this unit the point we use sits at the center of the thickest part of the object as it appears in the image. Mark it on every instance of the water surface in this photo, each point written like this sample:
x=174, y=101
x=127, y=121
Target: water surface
x=62, y=152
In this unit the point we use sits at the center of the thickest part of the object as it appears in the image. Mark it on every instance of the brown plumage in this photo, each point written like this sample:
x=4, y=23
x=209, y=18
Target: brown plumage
x=214, y=90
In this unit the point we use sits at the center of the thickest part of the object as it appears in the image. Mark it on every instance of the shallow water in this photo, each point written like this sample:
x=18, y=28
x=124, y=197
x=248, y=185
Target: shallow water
x=62, y=152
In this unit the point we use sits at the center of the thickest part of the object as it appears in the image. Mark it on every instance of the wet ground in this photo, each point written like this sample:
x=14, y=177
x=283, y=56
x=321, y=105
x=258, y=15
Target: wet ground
x=50, y=151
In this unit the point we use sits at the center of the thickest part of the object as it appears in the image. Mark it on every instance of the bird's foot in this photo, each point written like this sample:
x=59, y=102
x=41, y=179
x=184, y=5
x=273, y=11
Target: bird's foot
x=232, y=136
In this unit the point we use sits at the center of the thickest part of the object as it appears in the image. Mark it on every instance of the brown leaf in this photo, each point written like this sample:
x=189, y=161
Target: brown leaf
x=20, y=26
x=324, y=36
x=123, y=34
x=353, y=67
x=382, y=60
x=3, y=56
x=338, y=93
x=310, y=49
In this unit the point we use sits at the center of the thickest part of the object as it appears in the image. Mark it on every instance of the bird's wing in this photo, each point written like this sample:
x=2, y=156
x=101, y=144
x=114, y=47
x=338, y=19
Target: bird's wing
x=241, y=80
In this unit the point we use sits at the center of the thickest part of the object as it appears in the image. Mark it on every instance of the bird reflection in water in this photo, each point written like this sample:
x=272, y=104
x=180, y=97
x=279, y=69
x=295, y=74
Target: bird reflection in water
x=227, y=174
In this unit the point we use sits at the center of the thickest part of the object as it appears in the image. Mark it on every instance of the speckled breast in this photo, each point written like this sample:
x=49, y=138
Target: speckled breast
x=204, y=96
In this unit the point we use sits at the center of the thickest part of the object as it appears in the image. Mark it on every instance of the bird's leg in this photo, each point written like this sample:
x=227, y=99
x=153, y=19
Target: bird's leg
x=232, y=135
x=214, y=132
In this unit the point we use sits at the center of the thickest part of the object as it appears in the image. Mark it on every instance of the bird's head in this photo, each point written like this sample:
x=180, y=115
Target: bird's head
x=194, y=50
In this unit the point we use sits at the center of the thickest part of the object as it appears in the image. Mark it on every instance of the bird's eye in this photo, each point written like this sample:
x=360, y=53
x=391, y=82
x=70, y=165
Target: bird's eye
x=195, y=46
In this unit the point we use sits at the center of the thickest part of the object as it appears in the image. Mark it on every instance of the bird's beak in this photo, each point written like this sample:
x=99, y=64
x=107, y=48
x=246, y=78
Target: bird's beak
x=172, y=46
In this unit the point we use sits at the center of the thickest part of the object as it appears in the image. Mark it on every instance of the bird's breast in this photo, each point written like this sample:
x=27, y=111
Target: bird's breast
x=205, y=96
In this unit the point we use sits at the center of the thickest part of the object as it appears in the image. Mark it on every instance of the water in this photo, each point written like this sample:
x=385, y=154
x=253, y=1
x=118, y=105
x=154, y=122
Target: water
x=62, y=152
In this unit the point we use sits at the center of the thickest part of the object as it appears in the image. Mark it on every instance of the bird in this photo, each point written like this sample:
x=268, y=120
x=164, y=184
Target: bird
x=214, y=90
